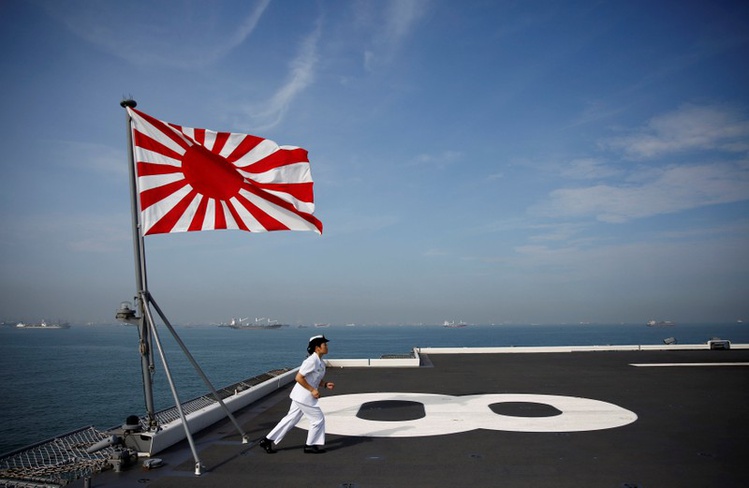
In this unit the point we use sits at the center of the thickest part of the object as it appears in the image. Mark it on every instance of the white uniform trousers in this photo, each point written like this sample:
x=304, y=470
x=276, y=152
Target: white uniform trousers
x=316, y=433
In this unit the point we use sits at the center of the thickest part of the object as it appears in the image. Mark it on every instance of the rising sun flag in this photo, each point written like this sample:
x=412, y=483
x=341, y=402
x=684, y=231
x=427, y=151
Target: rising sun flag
x=197, y=179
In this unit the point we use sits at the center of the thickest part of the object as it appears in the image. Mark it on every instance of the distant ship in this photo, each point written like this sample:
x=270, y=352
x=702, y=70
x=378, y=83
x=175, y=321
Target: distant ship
x=42, y=325
x=662, y=323
x=453, y=325
x=261, y=323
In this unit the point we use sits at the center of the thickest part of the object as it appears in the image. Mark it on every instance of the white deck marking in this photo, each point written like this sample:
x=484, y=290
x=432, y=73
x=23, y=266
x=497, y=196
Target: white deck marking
x=666, y=365
x=447, y=414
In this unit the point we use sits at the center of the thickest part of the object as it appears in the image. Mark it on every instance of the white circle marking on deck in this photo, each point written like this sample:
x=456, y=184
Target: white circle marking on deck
x=447, y=414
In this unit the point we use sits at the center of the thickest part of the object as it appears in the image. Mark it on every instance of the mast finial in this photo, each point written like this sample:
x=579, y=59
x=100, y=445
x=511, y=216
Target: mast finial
x=128, y=102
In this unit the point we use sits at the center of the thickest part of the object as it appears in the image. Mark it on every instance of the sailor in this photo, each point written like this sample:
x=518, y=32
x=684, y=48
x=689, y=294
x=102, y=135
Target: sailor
x=304, y=396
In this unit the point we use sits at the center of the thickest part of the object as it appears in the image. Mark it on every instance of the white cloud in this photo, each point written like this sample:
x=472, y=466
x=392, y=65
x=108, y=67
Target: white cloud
x=691, y=127
x=589, y=169
x=439, y=160
x=399, y=18
x=203, y=40
x=676, y=188
x=717, y=135
x=301, y=75
x=556, y=232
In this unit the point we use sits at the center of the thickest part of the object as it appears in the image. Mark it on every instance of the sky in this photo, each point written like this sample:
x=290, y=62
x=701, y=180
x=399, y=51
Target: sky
x=480, y=161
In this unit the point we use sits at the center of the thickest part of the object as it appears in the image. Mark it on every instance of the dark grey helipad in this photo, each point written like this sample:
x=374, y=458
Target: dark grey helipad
x=497, y=420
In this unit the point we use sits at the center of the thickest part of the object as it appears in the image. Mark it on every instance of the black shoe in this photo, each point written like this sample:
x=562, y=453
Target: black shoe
x=266, y=444
x=313, y=450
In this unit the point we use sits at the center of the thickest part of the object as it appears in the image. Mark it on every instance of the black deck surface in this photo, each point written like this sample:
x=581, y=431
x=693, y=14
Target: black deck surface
x=692, y=429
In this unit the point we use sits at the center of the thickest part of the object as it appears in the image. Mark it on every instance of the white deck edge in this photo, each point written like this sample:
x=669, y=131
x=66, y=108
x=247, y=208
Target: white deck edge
x=415, y=361
x=557, y=349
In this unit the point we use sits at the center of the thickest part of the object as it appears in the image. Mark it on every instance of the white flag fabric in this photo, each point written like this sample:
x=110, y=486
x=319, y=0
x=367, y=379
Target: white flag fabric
x=197, y=179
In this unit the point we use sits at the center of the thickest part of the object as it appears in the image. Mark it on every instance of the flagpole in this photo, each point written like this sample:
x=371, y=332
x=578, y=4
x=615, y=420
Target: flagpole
x=146, y=341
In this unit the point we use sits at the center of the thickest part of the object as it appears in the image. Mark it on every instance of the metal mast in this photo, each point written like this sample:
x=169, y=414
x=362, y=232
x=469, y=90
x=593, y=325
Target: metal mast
x=141, y=284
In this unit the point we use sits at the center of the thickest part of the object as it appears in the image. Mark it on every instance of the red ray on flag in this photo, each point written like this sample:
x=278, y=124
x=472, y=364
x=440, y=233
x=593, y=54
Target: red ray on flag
x=197, y=179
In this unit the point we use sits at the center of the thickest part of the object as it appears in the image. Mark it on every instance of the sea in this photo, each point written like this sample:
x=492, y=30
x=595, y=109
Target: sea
x=57, y=380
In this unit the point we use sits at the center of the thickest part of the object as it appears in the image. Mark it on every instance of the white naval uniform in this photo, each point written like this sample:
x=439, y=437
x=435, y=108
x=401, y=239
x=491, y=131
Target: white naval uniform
x=303, y=403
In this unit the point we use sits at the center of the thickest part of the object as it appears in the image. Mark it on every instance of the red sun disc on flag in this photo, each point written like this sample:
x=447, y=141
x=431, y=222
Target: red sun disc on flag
x=210, y=174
